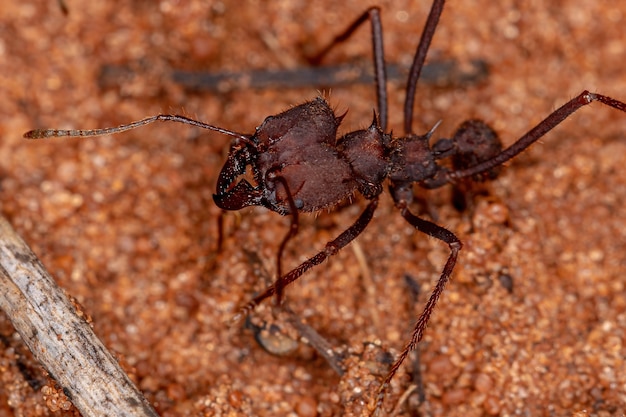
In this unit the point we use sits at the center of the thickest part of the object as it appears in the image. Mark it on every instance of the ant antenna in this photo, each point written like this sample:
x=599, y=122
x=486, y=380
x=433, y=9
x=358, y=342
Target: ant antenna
x=54, y=133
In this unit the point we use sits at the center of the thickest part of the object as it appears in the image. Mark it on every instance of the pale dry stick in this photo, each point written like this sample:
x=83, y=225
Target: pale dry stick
x=368, y=280
x=403, y=398
x=61, y=340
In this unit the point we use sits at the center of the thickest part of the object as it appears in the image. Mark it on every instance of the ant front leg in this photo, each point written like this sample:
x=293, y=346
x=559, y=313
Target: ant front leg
x=331, y=249
x=244, y=194
x=293, y=230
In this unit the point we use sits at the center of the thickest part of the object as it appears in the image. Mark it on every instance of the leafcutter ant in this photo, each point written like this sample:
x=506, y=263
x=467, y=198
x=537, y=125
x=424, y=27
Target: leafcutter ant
x=300, y=165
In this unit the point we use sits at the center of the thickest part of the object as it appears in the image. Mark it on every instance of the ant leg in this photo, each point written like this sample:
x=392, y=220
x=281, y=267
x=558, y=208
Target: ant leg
x=418, y=62
x=211, y=259
x=220, y=231
x=331, y=249
x=380, y=75
x=414, y=290
x=293, y=230
x=537, y=132
x=455, y=245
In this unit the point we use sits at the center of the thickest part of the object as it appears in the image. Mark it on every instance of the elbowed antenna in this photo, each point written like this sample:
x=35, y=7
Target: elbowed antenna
x=54, y=133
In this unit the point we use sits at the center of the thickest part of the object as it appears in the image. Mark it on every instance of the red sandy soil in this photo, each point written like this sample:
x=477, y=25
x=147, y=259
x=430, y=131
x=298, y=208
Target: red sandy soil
x=127, y=224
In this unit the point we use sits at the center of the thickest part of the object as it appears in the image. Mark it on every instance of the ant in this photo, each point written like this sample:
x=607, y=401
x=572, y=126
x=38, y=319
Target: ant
x=299, y=165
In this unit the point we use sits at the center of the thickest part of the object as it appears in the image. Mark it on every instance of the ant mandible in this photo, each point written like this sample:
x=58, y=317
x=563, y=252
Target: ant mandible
x=299, y=164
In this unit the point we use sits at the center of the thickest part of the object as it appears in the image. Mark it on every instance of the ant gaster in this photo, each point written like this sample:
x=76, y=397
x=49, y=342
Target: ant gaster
x=299, y=164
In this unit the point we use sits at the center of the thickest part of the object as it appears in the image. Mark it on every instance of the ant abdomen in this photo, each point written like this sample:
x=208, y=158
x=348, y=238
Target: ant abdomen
x=475, y=142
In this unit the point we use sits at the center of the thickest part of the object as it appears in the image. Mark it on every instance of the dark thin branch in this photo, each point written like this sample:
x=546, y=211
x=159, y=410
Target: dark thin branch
x=441, y=74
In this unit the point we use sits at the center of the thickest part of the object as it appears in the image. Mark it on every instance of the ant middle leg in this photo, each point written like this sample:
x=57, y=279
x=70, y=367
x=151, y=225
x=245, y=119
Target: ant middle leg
x=330, y=249
x=380, y=74
x=418, y=62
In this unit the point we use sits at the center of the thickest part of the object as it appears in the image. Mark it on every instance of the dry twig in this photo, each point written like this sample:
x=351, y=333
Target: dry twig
x=61, y=340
